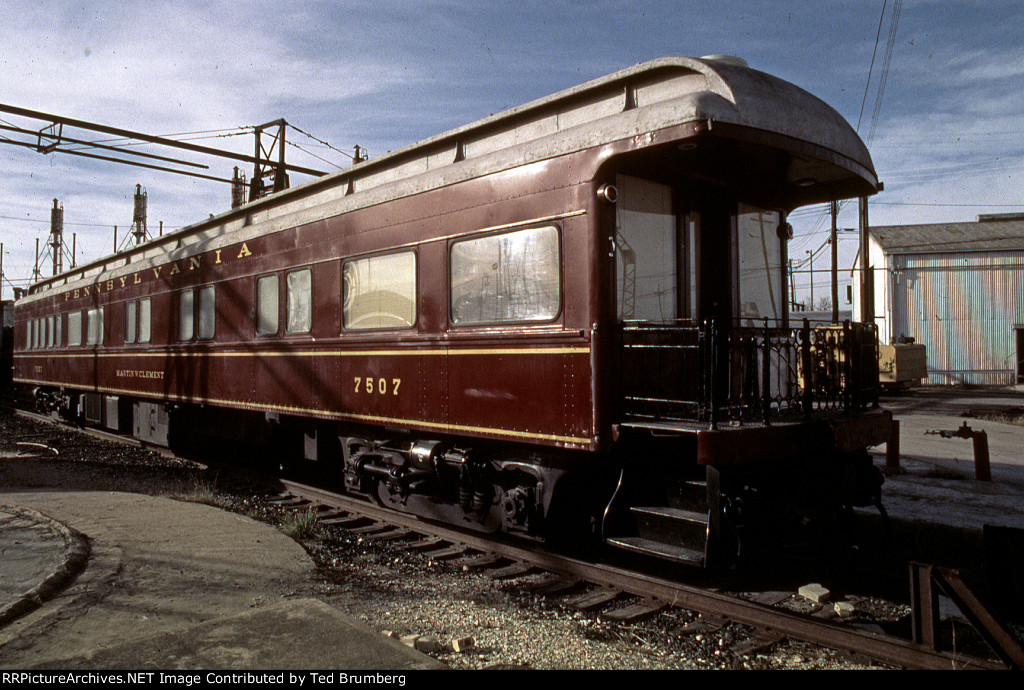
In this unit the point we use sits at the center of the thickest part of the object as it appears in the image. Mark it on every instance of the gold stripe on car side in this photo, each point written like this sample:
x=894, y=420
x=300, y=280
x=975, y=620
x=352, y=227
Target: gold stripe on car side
x=324, y=414
x=434, y=352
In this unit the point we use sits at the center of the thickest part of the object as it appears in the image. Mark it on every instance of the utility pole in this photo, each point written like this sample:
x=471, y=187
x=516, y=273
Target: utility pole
x=835, y=262
x=792, y=286
x=866, y=288
x=811, y=259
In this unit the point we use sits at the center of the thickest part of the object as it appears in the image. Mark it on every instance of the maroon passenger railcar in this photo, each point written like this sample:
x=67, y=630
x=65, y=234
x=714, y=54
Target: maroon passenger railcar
x=567, y=319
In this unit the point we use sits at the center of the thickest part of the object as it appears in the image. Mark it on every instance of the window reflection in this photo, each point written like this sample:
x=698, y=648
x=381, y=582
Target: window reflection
x=514, y=276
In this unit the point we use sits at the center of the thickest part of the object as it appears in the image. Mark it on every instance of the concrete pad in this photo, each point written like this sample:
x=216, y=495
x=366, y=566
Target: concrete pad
x=172, y=584
x=936, y=482
x=38, y=557
x=299, y=634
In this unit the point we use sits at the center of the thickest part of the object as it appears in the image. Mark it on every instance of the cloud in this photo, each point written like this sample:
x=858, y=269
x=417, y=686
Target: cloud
x=385, y=73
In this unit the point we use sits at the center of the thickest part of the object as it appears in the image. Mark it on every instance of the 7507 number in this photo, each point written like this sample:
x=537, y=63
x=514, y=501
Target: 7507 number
x=377, y=386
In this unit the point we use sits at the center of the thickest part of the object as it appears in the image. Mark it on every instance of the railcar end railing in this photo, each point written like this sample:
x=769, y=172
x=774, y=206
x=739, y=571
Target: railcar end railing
x=763, y=372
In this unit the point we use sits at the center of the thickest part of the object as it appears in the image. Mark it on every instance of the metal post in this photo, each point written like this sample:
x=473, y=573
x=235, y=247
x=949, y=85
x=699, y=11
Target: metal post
x=280, y=174
x=57, y=236
x=982, y=468
x=766, y=378
x=805, y=358
x=139, y=230
x=835, y=262
x=892, y=449
x=712, y=348
x=924, y=606
x=792, y=287
x=851, y=387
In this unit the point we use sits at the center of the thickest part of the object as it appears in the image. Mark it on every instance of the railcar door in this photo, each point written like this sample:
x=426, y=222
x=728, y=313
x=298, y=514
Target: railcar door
x=688, y=261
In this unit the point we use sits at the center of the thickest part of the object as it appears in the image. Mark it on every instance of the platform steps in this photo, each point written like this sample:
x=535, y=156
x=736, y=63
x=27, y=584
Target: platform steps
x=673, y=528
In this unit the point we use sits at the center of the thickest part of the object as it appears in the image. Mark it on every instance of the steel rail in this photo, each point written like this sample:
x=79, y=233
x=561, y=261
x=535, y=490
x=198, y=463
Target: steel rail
x=880, y=647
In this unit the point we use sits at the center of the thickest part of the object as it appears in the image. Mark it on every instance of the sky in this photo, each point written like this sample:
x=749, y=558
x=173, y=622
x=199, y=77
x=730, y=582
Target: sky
x=939, y=97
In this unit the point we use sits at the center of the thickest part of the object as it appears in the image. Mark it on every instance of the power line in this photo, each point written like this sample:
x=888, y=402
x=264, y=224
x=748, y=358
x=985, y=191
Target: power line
x=896, y=9
x=871, y=68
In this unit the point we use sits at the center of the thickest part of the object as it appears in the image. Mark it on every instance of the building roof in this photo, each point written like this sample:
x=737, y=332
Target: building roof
x=989, y=233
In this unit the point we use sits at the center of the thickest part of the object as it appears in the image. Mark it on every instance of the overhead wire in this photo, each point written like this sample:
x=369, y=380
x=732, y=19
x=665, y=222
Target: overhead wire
x=871, y=68
x=823, y=214
x=897, y=8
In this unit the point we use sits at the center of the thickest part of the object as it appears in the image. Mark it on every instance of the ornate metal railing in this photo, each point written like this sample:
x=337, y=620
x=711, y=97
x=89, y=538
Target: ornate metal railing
x=714, y=373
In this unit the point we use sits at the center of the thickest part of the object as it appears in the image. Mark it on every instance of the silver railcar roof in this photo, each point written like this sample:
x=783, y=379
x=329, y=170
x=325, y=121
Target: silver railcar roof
x=644, y=98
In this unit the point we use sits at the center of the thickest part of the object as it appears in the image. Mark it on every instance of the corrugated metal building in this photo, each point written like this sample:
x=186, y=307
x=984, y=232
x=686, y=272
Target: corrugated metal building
x=958, y=288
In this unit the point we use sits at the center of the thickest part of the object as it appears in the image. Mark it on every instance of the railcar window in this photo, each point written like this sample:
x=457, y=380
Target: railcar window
x=646, y=253
x=130, y=320
x=145, y=318
x=75, y=328
x=300, y=301
x=58, y=327
x=49, y=331
x=267, y=305
x=379, y=292
x=186, y=315
x=514, y=276
x=94, y=326
x=207, y=312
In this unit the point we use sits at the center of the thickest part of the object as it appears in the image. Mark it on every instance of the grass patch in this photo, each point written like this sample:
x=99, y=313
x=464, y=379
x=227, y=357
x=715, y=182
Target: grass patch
x=1013, y=416
x=303, y=525
x=195, y=490
x=943, y=473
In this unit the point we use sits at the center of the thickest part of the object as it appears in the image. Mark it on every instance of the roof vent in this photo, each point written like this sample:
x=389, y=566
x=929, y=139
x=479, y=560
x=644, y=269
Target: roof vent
x=727, y=60
x=995, y=217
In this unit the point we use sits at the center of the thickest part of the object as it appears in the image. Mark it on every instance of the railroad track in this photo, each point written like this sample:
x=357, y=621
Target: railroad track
x=608, y=582
x=655, y=594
